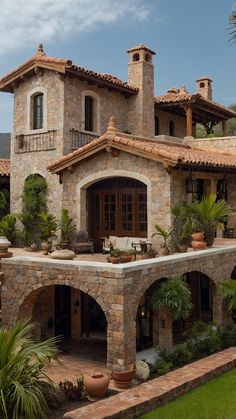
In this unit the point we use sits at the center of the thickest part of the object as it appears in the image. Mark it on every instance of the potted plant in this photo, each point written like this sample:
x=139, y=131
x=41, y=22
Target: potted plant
x=211, y=214
x=165, y=234
x=183, y=224
x=115, y=254
x=8, y=228
x=127, y=255
x=67, y=228
x=173, y=295
x=48, y=227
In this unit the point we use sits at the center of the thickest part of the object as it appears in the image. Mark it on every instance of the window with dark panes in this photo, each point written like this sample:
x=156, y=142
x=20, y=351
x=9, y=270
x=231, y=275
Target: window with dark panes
x=38, y=111
x=89, y=109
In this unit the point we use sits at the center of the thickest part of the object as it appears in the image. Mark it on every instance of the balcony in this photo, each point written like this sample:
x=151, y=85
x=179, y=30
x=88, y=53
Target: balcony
x=42, y=141
x=79, y=139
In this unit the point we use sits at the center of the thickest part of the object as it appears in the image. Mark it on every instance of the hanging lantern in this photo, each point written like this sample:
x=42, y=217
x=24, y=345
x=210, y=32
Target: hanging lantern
x=191, y=184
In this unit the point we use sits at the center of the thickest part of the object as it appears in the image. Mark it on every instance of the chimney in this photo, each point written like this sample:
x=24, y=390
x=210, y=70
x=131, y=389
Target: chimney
x=141, y=75
x=204, y=87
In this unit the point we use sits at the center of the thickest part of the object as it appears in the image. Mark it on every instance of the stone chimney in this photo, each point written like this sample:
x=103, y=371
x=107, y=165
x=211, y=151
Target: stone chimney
x=141, y=75
x=204, y=87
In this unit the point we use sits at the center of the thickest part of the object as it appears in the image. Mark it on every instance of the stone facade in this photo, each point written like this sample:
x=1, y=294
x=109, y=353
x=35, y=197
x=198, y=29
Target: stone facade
x=118, y=290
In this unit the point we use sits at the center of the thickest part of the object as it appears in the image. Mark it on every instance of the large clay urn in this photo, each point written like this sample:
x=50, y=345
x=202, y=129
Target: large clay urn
x=123, y=379
x=96, y=385
x=4, y=244
x=198, y=242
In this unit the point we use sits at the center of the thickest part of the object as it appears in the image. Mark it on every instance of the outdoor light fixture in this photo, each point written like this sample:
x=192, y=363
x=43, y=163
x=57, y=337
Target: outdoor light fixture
x=191, y=184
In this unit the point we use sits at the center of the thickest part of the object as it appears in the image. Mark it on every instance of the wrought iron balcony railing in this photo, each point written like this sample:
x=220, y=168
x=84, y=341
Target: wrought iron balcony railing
x=79, y=139
x=43, y=141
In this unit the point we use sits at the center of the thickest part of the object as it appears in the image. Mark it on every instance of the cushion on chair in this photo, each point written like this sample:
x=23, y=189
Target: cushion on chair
x=121, y=242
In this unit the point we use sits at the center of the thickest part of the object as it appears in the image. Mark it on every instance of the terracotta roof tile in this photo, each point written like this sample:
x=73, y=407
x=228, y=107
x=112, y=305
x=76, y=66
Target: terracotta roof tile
x=4, y=167
x=172, y=153
x=175, y=95
x=66, y=66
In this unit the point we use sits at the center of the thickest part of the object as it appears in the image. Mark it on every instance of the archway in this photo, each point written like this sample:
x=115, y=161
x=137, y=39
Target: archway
x=75, y=316
x=118, y=207
x=157, y=328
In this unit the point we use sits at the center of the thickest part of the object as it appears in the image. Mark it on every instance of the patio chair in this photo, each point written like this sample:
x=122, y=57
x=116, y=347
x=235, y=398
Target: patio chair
x=83, y=243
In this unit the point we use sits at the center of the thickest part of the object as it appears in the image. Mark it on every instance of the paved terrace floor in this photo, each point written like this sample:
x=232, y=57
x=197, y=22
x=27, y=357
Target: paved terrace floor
x=99, y=257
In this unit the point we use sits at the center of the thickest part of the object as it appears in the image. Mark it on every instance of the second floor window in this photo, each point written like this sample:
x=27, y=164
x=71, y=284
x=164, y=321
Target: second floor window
x=89, y=114
x=171, y=129
x=157, y=126
x=38, y=111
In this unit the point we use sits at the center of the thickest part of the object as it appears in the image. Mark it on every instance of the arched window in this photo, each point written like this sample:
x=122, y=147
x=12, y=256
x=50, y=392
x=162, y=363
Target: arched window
x=89, y=113
x=202, y=84
x=171, y=129
x=136, y=57
x=37, y=111
x=157, y=126
x=148, y=58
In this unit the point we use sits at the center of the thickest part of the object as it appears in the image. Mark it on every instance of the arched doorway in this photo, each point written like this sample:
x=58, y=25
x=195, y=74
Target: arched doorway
x=117, y=207
x=61, y=310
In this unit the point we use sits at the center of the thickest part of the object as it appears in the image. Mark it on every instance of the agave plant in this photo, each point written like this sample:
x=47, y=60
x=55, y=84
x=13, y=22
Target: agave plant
x=23, y=383
x=173, y=295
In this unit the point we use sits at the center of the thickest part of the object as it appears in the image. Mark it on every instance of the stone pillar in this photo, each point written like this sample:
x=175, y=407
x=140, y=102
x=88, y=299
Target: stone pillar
x=121, y=343
x=189, y=121
x=224, y=128
x=165, y=329
x=217, y=307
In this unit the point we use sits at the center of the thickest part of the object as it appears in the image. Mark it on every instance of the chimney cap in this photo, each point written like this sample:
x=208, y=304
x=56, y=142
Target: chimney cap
x=204, y=78
x=141, y=47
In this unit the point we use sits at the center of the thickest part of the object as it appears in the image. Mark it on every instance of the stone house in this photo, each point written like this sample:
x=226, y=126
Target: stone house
x=117, y=158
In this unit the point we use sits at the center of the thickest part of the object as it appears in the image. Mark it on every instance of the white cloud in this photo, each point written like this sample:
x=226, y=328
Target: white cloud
x=26, y=22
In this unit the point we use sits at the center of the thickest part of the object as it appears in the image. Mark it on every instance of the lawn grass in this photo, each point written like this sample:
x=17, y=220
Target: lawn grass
x=213, y=400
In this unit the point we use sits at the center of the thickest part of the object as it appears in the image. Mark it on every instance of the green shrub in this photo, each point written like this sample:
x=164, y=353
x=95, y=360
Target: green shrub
x=180, y=355
x=227, y=336
x=162, y=367
x=204, y=340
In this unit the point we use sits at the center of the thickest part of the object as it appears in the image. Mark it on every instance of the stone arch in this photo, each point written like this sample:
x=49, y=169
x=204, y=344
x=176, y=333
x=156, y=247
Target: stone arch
x=142, y=286
x=102, y=175
x=36, y=289
x=40, y=305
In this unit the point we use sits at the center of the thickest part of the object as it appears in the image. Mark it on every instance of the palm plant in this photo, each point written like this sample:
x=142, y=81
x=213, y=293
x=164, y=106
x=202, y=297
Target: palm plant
x=165, y=234
x=8, y=227
x=66, y=225
x=175, y=296
x=48, y=226
x=24, y=385
x=211, y=214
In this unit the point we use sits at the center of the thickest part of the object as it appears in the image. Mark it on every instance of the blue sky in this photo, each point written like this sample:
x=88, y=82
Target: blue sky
x=191, y=39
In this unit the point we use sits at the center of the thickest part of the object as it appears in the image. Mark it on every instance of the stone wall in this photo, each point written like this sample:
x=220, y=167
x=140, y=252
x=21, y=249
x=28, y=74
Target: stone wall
x=117, y=289
x=224, y=143
x=24, y=164
x=164, y=120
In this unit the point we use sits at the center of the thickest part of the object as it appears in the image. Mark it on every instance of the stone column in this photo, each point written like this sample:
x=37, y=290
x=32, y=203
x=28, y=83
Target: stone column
x=217, y=307
x=165, y=329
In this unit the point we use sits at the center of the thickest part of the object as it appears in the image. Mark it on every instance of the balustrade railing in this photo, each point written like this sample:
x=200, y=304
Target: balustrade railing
x=43, y=141
x=79, y=139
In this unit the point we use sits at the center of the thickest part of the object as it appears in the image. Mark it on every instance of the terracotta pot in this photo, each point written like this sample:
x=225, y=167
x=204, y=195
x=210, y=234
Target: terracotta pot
x=46, y=247
x=183, y=248
x=198, y=236
x=96, y=385
x=4, y=244
x=123, y=379
x=126, y=258
x=115, y=259
x=210, y=237
x=198, y=245
x=163, y=251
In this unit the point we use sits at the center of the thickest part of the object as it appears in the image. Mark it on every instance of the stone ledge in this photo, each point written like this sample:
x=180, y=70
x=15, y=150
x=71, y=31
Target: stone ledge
x=121, y=268
x=142, y=399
